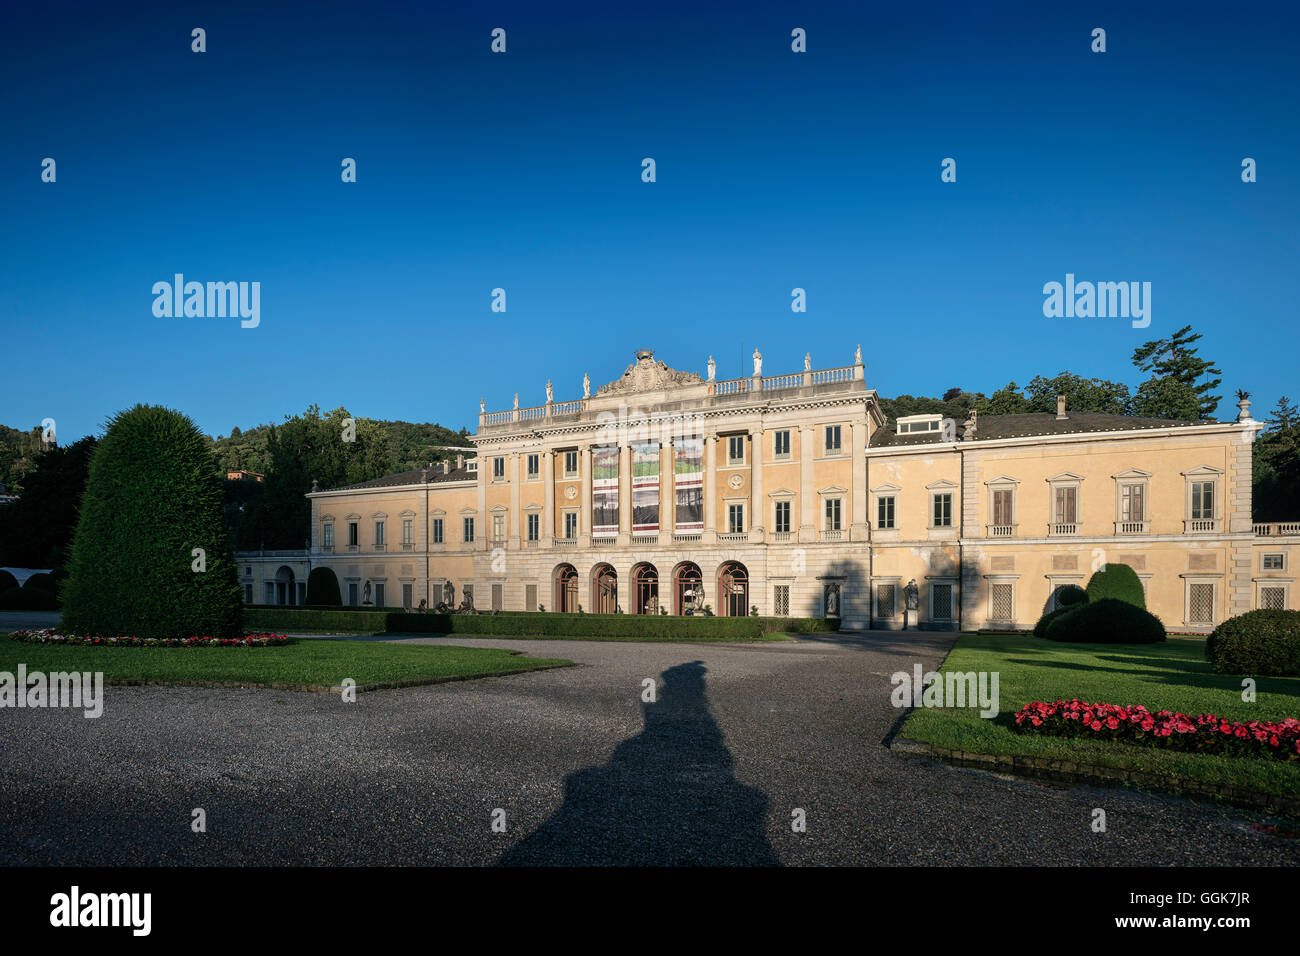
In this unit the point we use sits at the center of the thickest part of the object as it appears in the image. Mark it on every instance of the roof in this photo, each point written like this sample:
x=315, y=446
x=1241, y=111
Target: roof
x=1033, y=424
x=416, y=476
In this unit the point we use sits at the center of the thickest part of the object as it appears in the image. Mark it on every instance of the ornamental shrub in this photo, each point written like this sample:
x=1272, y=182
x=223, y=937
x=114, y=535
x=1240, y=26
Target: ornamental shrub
x=28, y=599
x=7, y=581
x=151, y=498
x=323, y=588
x=1107, y=621
x=43, y=582
x=1117, y=581
x=1040, y=629
x=1070, y=595
x=1257, y=642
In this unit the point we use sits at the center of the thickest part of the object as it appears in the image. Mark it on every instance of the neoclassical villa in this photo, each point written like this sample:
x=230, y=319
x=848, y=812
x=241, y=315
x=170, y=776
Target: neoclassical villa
x=793, y=495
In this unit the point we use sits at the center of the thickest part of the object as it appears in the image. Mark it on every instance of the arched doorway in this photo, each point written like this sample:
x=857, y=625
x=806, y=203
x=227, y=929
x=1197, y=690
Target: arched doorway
x=604, y=589
x=688, y=588
x=645, y=587
x=284, y=585
x=566, y=589
x=733, y=590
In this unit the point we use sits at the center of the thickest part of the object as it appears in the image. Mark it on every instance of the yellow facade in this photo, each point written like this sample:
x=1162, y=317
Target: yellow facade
x=809, y=503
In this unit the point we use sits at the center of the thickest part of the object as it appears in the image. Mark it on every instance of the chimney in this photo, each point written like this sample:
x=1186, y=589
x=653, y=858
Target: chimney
x=1060, y=408
x=460, y=462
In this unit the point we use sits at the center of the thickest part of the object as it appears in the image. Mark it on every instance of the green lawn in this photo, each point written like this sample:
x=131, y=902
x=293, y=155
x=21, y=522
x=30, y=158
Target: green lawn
x=323, y=663
x=1172, y=675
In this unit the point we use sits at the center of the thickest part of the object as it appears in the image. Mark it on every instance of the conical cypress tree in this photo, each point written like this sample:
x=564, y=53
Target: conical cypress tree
x=151, y=498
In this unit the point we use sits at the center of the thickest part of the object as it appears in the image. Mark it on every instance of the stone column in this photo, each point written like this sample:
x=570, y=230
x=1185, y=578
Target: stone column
x=624, y=496
x=481, y=530
x=548, y=505
x=757, y=506
x=513, y=471
x=858, y=531
x=807, y=498
x=710, y=535
x=667, y=493
x=584, y=481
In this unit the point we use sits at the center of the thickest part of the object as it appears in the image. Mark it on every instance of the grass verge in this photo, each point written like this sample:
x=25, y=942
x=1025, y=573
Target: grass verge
x=305, y=663
x=1173, y=675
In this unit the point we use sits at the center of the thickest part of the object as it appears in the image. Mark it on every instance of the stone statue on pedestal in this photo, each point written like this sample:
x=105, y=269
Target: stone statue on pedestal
x=713, y=368
x=758, y=363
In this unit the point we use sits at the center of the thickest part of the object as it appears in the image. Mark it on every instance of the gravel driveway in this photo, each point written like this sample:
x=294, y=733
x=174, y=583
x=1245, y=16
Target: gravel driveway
x=740, y=737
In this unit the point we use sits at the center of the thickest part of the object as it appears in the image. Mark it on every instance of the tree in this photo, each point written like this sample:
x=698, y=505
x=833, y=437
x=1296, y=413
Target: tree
x=1081, y=394
x=1276, y=465
x=36, y=530
x=1007, y=400
x=323, y=588
x=151, y=499
x=1167, y=398
x=1175, y=358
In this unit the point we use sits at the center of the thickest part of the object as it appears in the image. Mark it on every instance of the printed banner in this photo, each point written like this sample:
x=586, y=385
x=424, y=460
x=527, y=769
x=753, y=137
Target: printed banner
x=604, y=492
x=645, y=488
x=688, y=485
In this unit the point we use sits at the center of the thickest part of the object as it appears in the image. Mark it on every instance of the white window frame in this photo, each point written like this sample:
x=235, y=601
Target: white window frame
x=732, y=442
x=1056, y=526
x=777, y=454
x=838, y=449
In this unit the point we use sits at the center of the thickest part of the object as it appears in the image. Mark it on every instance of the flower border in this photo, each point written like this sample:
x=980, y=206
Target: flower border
x=51, y=635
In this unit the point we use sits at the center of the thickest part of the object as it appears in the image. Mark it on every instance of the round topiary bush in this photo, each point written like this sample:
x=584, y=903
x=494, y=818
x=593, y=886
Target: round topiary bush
x=27, y=599
x=323, y=588
x=1117, y=581
x=1107, y=621
x=152, y=497
x=1071, y=594
x=42, y=581
x=1257, y=642
x=1040, y=629
x=7, y=581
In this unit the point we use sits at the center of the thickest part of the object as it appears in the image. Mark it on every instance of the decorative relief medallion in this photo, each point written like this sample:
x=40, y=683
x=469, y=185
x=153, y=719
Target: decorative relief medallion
x=570, y=492
x=736, y=481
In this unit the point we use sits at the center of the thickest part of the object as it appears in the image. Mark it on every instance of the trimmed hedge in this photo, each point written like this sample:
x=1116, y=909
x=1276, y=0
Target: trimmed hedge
x=1117, y=581
x=1266, y=643
x=323, y=588
x=1040, y=629
x=151, y=498
x=7, y=581
x=627, y=627
x=1070, y=595
x=28, y=599
x=1107, y=621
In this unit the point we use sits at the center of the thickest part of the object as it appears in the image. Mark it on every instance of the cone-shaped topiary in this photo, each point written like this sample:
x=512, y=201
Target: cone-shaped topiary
x=1117, y=581
x=323, y=588
x=151, y=498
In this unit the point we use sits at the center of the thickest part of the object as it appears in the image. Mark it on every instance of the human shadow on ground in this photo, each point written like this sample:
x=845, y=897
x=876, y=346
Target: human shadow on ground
x=667, y=796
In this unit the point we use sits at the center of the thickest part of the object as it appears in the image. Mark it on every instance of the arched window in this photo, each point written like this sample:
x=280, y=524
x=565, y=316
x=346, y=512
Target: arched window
x=733, y=590
x=645, y=583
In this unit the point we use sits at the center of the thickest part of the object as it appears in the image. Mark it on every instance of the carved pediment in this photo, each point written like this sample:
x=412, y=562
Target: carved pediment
x=646, y=375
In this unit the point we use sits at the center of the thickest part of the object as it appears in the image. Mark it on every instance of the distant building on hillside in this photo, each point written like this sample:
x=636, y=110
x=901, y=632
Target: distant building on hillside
x=243, y=475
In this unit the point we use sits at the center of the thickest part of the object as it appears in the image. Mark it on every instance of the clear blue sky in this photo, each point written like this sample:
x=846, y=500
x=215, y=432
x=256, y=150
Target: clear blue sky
x=522, y=171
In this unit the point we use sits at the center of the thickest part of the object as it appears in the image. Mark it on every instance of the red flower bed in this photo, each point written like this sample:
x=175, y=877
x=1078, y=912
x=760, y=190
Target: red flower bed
x=1135, y=724
x=51, y=636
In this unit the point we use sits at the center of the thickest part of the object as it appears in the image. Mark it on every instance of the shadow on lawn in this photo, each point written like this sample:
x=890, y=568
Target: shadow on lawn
x=667, y=796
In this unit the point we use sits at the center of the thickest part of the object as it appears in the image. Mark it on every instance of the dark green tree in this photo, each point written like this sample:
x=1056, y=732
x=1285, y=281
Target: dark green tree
x=36, y=530
x=323, y=588
x=1175, y=358
x=151, y=499
x=1167, y=398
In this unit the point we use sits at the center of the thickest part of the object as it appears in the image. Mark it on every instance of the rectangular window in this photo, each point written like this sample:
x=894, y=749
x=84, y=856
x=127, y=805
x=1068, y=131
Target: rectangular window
x=379, y=594
x=354, y=533
x=498, y=469
x=437, y=531
x=832, y=439
x=379, y=534
x=534, y=465
x=1202, y=499
x=1272, y=562
x=354, y=593
x=467, y=592
x=1002, y=605
x=885, y=600
x=498, y=597
x=736, y=450
x=735, y=518
x=782, y=516
x=1065, y=501
x=498, y=529
x=468, y=530
x=1272, y=598
x=570, y=524
x=781, y=599
x=943, y=510
x=327, y=535
x=885, y=512
x=570, y=464
x=530, y=597
x=1002, y=507
x=248, y=594
x=1200, y=601
x=408, y=593
x=534, y=526
x=781, y=444
x=941, y=602
x=1130, y=503
x=408, y=532
x=832, y=514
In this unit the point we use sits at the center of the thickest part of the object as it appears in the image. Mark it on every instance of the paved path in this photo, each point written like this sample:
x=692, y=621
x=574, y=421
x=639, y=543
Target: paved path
x=741, y=736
